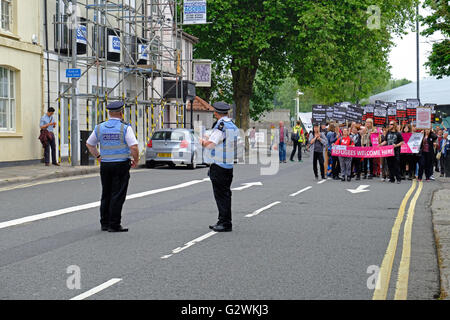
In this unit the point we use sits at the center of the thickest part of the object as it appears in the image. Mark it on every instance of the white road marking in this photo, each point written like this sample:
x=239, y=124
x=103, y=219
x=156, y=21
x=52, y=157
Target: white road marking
x=298, y=192
x=97, y=289
x=322, y=181
x=247, y=185
x=190, y=244
x=91, y=205
x=262, y=209
x=69, y=178
x=360, y=189
x=46, y=215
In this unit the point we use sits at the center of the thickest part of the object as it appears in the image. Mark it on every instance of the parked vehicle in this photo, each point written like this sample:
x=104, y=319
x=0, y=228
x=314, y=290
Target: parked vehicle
x=174, y=146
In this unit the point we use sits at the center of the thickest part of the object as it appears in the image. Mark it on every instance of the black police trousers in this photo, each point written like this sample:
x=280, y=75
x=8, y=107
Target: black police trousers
x=221, y=179
x=114, y=177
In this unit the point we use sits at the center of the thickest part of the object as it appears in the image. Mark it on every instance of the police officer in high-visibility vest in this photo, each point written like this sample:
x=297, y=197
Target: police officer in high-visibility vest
x=118, y=152
x=298, y=138
x=222, y=144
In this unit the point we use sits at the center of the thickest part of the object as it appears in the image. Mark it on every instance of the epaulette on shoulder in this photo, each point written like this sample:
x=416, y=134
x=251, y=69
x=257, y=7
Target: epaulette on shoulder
x=127, y=124
x=221, y=126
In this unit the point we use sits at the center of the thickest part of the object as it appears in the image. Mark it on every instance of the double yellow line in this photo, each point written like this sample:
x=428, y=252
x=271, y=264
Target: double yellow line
x=384, y=276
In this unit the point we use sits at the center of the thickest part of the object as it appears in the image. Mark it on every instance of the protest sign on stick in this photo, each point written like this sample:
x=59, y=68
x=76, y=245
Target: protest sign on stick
x=380, y=114
x=411, y=106
x=318, y=114
x=423, y=118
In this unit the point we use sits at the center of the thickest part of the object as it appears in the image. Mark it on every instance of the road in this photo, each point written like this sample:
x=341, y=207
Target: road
x=292, y=238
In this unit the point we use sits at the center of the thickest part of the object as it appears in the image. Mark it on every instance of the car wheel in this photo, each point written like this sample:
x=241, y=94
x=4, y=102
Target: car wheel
x=193, y=163
x=150, y=164
x=171, y=165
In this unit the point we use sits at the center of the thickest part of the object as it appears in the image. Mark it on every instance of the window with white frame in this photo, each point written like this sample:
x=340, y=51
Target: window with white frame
x=5, y=14
x=7, y=100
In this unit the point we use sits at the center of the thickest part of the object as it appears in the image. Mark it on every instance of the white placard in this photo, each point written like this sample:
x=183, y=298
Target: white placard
x=423, y=118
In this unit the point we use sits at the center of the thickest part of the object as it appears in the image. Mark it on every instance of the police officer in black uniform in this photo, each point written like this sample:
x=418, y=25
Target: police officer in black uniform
x=117, y=145
x=222, y=145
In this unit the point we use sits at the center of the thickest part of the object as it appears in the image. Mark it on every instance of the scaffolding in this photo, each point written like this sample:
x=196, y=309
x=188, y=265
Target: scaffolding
x=129, y=47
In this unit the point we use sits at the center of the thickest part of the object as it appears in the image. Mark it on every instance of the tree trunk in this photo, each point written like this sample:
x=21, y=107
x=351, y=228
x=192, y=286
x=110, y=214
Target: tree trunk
x=243, y=79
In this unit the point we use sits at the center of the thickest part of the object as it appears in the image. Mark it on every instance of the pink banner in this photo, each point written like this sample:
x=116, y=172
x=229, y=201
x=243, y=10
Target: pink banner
x=362, y=152
x=374, y=139
x=405, y=147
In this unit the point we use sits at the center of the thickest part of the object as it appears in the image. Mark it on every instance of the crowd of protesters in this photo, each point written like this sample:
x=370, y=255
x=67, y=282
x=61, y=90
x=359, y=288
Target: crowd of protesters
x=433, y=155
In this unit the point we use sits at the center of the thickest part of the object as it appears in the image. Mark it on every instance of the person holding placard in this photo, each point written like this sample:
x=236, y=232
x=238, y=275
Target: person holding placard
x=393, y=138
x=346, y=162
x=407, y=159
x=318, y=141
x=366, y=142
x=426, y=155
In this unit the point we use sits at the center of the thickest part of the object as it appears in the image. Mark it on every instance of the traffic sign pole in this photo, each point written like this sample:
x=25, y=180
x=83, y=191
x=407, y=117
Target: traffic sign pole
x=74, y=123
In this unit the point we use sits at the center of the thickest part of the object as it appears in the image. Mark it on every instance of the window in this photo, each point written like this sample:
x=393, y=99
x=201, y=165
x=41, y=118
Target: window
x=5, y=12
x=7, y=100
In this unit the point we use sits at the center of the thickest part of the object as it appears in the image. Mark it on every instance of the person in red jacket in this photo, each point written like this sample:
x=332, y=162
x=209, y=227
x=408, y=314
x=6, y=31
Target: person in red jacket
x=345, y=162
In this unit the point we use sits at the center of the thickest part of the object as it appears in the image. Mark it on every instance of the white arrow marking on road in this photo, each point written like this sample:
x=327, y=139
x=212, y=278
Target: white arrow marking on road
x=91, y=205
x=298, y=192
x=262, y=209
x=359, y=189
x=97, y=289
x=247, y=185
x=321, y=181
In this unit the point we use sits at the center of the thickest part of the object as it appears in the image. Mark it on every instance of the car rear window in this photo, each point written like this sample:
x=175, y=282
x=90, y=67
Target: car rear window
x=169, y=135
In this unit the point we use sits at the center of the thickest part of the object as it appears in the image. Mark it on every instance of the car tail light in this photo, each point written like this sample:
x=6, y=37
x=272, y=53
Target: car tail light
x=149, y=144
x=184, y=144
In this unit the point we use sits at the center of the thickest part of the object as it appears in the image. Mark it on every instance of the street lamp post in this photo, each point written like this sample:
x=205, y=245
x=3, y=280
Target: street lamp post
x=299, y=93
x=417, y=51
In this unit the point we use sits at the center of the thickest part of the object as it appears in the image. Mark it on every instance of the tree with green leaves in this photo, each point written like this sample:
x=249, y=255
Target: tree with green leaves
x=438, y=21
x=338, y=53
x=248, y=37
x=326, y=45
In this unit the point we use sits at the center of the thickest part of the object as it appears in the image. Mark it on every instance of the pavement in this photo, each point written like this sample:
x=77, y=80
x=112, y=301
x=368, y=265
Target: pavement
x=293, y=237
x=440, y=208
x=38, y=172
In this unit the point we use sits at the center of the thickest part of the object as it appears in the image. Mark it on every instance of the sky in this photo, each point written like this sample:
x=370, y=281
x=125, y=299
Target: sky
x=403, y=56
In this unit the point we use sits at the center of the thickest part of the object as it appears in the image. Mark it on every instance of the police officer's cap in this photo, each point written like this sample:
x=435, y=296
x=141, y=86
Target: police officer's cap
x=221, y=107
x=115, y=106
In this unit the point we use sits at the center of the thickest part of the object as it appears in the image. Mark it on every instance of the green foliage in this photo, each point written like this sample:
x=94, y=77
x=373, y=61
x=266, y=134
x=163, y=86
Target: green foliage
x=337, y=54
x=326, y=46
x=438, y=21
x=246, y=36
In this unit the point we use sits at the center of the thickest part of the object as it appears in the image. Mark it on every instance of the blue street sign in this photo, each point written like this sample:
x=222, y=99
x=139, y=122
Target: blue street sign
x=73, y=73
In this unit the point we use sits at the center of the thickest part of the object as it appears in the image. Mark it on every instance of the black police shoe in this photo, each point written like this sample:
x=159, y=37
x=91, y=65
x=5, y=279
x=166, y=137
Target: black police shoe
x=213, y=226
x=105, y=228
x=222, y=228
x=119, y=229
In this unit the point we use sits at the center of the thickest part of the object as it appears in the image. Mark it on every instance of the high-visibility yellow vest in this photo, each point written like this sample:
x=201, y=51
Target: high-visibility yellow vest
x=301, y=136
